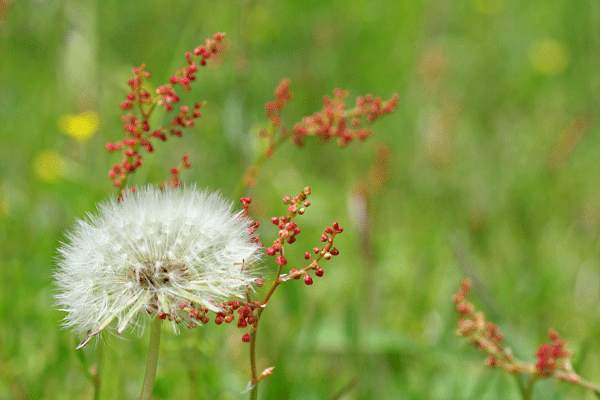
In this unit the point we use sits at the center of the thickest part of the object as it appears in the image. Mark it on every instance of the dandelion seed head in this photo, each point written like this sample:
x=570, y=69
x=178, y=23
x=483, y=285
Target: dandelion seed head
x=150, y=252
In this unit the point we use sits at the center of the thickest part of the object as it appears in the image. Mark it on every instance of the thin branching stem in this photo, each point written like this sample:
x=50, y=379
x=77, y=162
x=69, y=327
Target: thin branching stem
x=254, y=382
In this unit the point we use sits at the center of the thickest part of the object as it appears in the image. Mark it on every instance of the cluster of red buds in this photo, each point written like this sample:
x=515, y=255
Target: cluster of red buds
x=138, y=132
x=335, y=121
x=274, y=108
x=288, y=230
x=254, y=224
x=247, y=317
x=553, y=360
x=195, y=315
x=553, y=356
x=483, y=334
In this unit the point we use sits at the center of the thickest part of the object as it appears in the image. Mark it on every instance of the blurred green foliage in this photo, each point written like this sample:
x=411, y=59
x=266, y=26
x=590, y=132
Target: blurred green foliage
x=492, y=173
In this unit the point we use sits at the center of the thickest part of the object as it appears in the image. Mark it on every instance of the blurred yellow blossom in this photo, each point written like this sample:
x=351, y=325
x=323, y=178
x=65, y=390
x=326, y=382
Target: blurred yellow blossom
x=4, y=208
x=548, y=56
x=488, y=7
x=80, y=126
x=49, y=165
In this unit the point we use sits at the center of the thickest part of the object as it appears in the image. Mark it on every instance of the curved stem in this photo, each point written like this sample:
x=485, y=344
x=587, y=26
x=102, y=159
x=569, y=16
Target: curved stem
x=254, y=382
x=254, y=168
x=152, y=359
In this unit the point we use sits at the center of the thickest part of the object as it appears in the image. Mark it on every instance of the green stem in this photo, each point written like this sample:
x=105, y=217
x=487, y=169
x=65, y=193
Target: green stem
x=152, y=360
x=276, y=282
x=239, y=190
x=254, y=390
x=96, y=372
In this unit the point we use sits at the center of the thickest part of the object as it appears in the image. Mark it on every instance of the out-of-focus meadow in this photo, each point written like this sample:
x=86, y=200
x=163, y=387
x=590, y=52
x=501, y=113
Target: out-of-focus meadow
x=489, y=168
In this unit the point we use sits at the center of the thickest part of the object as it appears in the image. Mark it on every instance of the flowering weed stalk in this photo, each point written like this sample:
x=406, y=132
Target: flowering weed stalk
x=140, y=104
x=334, y=121
x=288, y=230
x=177, y=253
x=553, y=359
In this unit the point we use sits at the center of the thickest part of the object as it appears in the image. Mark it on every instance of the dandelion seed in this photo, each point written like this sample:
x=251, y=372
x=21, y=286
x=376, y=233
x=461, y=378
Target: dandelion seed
x=150, y=252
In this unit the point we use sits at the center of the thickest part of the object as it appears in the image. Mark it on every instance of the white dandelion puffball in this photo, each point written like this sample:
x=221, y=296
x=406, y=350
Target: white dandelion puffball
x=155, y=251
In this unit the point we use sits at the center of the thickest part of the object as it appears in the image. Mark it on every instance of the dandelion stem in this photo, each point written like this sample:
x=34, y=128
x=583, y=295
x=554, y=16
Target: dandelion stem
x=152, y=359
x=96, y=372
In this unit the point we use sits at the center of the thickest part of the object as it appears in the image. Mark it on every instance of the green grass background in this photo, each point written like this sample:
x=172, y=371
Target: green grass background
x=493, y=173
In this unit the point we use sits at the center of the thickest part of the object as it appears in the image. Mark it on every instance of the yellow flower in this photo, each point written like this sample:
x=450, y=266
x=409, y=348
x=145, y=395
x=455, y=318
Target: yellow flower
x=80, y=126
x=49, y=165
x=488, y=7
x=548, y=56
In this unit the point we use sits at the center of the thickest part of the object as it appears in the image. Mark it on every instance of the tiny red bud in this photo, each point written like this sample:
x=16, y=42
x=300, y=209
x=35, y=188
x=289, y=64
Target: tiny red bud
x=308, y=280
x=319, y=272
x=280, y=260
x=275, y=221
x=316, y=250
x=246, y=338
x=306, y=256
x=293, y=271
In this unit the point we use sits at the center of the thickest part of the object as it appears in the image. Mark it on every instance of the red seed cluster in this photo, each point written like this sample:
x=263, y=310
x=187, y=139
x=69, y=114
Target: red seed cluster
x=274, y=108
x=174, y=182
x=246, y=314
x=335, y=121
x=552, y=358
x=288, y=229
x=481, y=333
x=187, y=74
x=326, y=252
x=254, y=224
x=140, y=104
x=185, y=312
x=551, y=355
